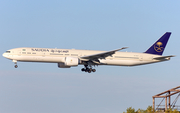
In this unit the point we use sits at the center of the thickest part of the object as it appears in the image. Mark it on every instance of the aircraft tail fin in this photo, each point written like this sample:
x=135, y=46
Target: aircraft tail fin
x=159, y=46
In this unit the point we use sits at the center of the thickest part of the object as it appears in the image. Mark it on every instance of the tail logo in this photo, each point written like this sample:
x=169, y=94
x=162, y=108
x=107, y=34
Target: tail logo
x=158, y=47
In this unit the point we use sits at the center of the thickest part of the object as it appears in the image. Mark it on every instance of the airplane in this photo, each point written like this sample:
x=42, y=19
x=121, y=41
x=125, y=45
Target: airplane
x=66, y=58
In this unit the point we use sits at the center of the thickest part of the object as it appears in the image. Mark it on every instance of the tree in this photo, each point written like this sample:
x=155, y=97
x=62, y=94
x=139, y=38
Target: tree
x=150, y=109
x=130, y=110
x=171, y=111
x=141, y=111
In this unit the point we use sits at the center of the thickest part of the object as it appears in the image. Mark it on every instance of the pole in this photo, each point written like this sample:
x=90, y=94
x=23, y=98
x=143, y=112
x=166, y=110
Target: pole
x=153, y=103
x=169, y=100
x=166, y=104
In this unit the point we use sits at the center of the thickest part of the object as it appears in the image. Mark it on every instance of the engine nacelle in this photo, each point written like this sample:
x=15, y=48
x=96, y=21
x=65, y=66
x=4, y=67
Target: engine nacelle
x=68, y=62
x=62, y=65
x=71, y=61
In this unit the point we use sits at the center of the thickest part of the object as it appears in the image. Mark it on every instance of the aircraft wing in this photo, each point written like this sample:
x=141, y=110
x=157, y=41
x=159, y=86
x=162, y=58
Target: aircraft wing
x=163, y=57
x=101, y=55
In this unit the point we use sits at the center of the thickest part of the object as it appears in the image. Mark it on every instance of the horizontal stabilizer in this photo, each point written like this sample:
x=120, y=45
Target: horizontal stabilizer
x=163, y=57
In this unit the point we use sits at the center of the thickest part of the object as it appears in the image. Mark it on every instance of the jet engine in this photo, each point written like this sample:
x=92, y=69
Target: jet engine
x=68, y=62
x=62, y=65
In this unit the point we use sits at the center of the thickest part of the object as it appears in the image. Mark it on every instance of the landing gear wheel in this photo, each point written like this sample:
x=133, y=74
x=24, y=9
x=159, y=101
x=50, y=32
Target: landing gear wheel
x=93, y=70
x=86, y=70
x=16, y=66
x=89, y=71
x=83, y=69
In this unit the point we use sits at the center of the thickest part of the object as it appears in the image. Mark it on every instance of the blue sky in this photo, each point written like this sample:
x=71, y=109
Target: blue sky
x=91, y=25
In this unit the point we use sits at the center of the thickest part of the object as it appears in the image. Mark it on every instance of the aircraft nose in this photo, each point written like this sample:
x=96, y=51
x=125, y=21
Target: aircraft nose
x=4, y=54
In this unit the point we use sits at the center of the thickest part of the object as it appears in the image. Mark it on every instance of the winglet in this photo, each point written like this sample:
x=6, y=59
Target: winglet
x=124, y=47
x=120, y=49
x=159, y=46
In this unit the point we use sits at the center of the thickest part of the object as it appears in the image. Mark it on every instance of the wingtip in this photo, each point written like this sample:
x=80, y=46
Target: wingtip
x=125, y=47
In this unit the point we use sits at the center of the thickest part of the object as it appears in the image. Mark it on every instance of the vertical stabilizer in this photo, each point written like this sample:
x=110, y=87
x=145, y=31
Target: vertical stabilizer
x=159, y=46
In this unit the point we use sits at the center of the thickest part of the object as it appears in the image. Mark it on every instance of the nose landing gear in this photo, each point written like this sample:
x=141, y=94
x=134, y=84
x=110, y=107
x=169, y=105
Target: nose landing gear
x=16, y=66
x=15, y=62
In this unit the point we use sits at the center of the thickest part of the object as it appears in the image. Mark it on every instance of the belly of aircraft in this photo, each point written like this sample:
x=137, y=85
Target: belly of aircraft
x=124, y=62
x=39, y=59
x=49, y=59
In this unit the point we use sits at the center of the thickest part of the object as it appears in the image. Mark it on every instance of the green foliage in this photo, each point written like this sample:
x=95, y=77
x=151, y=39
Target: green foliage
x=141, y=111
x=130, y=110
x=172, y=111
x=148, y=110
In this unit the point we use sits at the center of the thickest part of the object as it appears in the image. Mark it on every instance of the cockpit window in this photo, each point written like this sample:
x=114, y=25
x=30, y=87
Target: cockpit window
x=8, y=51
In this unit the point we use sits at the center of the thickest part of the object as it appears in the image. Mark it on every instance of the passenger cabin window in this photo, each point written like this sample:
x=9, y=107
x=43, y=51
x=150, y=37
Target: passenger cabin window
x=74, y=55
x=8, y=51
x=55, y=54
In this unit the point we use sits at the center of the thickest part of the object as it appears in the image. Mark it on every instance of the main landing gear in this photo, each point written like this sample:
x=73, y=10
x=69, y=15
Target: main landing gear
x=88, y=69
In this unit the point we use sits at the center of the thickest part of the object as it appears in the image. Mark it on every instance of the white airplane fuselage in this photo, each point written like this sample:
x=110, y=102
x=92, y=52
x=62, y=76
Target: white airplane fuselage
x=66, y=58
x=49, y=55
